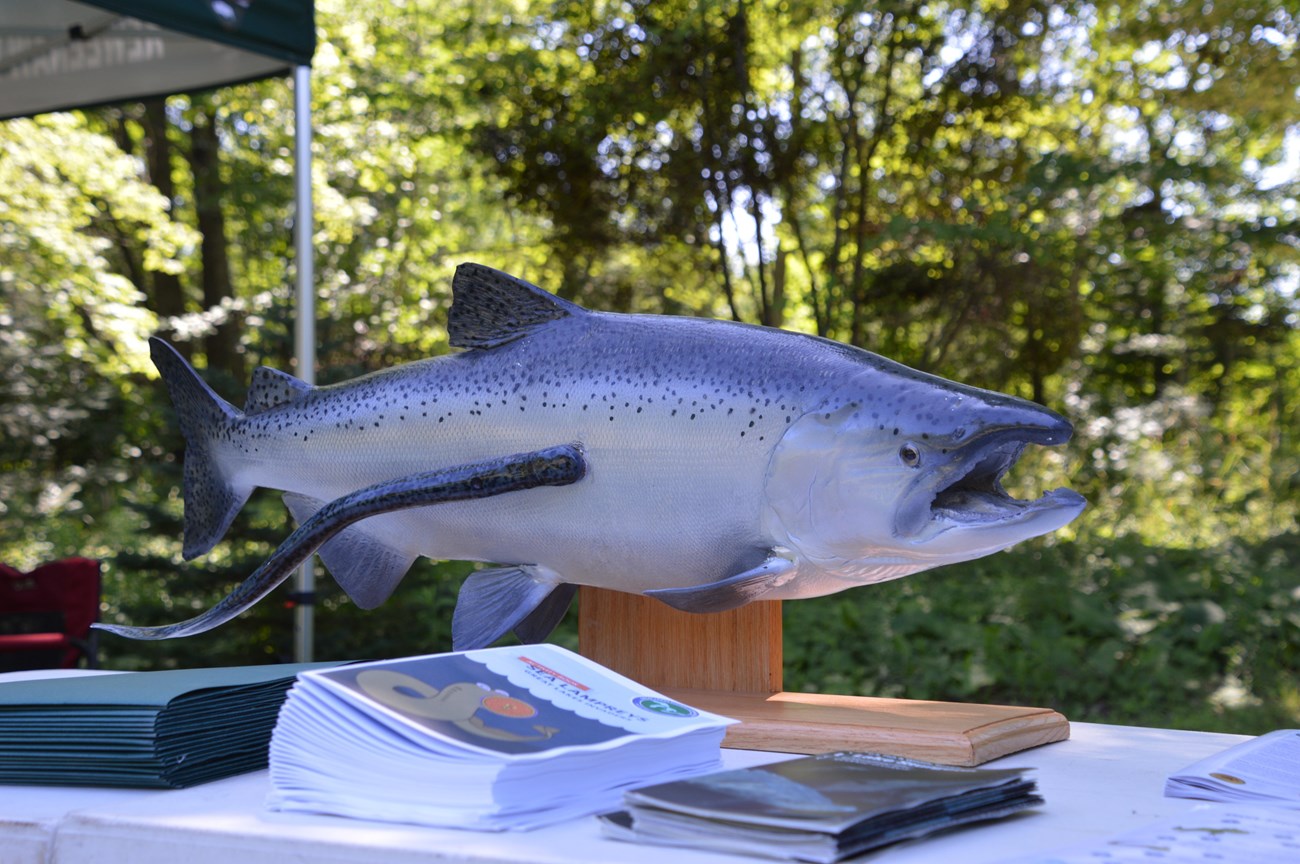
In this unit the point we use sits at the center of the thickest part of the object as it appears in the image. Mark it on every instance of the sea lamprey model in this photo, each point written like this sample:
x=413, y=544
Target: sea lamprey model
x=709, y=464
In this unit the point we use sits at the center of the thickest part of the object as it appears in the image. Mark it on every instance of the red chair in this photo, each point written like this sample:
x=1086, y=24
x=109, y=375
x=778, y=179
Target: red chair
x=45, y=615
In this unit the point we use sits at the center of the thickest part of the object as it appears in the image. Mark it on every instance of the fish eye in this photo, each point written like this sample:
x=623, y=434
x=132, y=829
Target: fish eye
x=910, y=454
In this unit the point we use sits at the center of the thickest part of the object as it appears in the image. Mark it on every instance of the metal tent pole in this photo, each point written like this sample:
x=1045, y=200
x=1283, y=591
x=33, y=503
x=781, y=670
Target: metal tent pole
x=305, y=329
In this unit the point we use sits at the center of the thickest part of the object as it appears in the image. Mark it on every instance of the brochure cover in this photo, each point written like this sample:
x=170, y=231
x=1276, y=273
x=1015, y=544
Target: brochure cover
x=527, y=702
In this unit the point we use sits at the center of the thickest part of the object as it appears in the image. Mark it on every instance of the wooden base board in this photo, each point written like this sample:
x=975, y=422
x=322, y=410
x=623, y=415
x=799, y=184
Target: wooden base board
x=730, y=663
x=944, y=732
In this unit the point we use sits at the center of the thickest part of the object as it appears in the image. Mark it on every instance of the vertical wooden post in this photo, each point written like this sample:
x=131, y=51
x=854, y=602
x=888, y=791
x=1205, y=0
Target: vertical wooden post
x=736, y=652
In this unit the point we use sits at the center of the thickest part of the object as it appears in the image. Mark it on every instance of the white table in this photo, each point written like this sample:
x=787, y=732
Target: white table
x=1104, y=781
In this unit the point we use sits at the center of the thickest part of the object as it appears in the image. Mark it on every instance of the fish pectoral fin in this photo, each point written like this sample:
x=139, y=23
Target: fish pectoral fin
x=364, y=566
x=553, y=466
x=539, y=623
x=730, y=593
x=494, y=602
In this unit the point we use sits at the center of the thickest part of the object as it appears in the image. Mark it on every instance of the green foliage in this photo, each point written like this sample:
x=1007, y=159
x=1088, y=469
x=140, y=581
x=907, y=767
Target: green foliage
x=1091, y=205
x=1114, y=632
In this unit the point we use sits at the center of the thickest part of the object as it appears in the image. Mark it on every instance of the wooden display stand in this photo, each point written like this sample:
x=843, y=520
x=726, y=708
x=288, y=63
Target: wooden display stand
x=730, y=663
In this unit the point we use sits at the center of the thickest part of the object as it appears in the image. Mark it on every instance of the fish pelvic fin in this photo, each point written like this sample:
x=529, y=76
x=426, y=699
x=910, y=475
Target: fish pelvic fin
x=732, y=592
x=490, y=308
x=270, y=388
x=364, y=566
x=211, y=499
x=494, y=602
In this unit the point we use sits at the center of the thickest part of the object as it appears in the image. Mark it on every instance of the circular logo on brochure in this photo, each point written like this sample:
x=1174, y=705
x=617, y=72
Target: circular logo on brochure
x=1227, y=778
x=659, y=705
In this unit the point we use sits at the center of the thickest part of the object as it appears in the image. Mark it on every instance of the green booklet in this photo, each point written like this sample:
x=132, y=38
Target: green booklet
x=818, y=808
x=166, y=729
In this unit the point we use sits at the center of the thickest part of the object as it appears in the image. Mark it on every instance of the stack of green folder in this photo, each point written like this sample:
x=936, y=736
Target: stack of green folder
x=166, y=729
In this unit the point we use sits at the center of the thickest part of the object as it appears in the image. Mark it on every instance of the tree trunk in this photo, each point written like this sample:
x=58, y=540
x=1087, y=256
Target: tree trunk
x=166, y=294
x=223, y=343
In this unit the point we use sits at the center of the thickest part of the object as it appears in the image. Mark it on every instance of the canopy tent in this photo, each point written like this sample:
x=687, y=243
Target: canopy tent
x=56, y=55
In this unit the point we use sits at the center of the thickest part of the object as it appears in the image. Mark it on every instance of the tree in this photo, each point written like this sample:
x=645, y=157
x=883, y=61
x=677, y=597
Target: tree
x=74, y=325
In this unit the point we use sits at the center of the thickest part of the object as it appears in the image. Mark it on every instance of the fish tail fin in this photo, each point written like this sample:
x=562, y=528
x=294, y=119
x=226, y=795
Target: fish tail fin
x=211, y=499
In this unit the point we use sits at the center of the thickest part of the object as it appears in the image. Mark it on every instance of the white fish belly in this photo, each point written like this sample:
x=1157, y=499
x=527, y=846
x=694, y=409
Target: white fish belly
x=666, y=502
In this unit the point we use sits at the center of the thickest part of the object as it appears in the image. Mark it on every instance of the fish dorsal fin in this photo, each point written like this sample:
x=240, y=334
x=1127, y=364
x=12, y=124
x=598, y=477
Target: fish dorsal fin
x=490, y=308
x=271, y=387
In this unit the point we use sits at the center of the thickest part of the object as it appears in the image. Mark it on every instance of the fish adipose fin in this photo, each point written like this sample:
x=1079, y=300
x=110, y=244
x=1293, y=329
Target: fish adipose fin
x=490, y=308
x=494, y=602
x=211, y=500
x=270, y=388
x=363, y=565
x=554, y=466
x=729, y=593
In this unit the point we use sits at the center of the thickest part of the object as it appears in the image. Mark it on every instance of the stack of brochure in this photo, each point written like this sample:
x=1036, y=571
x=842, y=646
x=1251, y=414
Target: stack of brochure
x=164, y=729
x=818, y=808
x=1263, y=770
x=503, y=738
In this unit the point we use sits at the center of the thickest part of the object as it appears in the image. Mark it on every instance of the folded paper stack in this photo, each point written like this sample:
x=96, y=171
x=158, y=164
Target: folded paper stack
x=166, y=729
x=819, y=809
x=1263, y=770
x=503, y=738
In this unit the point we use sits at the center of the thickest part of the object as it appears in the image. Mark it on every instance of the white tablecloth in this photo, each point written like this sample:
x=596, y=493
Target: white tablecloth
x=1104, y=781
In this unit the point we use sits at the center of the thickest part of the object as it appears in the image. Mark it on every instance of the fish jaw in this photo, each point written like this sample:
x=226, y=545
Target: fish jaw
x=961, y=511
x=901, y=472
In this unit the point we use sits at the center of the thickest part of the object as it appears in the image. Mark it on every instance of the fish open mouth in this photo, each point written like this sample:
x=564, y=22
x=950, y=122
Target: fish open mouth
x=976, y=496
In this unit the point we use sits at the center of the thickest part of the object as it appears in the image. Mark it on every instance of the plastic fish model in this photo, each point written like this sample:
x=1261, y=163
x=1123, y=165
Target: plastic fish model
x=708, y=464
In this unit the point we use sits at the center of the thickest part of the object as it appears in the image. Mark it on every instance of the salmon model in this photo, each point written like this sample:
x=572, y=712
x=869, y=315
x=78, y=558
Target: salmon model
x=714, y=463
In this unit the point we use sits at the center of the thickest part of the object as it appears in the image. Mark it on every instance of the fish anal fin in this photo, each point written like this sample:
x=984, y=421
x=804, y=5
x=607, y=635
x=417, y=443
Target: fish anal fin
x=364, y=566
x=493, y=602
x=269, y=388
x=732, y=592
x=490, y=308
